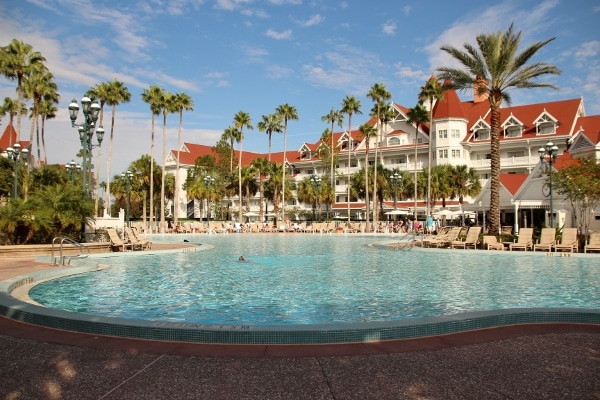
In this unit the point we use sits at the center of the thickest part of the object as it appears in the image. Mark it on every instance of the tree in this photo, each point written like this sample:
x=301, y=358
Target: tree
x=333, y=117
x=492, y=69
x=432, y=91
x=167, y=107
x=10, y=107
x=263, y=167
x=181, y=102
x=47, y=110
x=367, y=131
x=269, y=124
x=39, y=86
x=350, y=106
x=116, y=93
x=241, y=120
x=231, y=134
x=18, y=61
x=379, y=95
x=417, y=116
x=288, y=113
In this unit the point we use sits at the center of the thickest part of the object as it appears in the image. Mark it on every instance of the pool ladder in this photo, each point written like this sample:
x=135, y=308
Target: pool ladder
x=66, y=259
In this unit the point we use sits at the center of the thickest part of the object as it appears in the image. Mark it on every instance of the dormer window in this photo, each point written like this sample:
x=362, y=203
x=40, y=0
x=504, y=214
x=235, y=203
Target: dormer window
x=481, y=130
x=394, y=141
x=306, y=155
x=512, y=127
x=545, y=124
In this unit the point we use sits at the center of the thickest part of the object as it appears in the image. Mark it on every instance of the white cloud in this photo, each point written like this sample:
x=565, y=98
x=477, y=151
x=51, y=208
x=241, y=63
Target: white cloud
x=279, y=35
x=230, y=5
x=389, y=28
x=282, y=2
x=314, y=20
x=255, y=54
x=278, y=72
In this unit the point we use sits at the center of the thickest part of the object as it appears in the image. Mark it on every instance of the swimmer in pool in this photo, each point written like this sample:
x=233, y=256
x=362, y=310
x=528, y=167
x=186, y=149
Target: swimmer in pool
x=242, y=258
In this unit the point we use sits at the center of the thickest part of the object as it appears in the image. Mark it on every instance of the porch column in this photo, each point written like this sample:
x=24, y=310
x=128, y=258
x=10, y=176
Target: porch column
x=516, y=227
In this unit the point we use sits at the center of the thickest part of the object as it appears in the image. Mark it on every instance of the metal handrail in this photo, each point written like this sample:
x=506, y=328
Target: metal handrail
x=63, y=258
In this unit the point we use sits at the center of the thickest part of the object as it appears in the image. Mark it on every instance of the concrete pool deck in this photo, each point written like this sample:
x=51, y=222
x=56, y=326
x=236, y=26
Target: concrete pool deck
x=522, y=361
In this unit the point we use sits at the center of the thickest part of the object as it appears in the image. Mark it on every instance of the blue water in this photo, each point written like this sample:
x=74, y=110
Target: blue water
x=313, y=279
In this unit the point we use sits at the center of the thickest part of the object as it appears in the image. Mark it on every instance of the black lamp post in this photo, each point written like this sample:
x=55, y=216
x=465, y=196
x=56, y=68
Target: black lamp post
x=86, y=130
x=395, y=178
x=316, y=182
x=483, y=210
x=128, y=180
x=208, y=181
x=17, y=154
x=548, y=154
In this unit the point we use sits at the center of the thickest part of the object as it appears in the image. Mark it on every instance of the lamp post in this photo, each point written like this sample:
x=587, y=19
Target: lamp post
x=128, y=180
x=208, y=181
x=548, y=155
x=316, y=182
x=395, y=178
x=71, y=167
x=86, y=130
x=483, y=210
x=17, y=154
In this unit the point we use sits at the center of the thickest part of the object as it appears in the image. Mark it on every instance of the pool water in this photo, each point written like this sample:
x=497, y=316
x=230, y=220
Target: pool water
x=292, y=279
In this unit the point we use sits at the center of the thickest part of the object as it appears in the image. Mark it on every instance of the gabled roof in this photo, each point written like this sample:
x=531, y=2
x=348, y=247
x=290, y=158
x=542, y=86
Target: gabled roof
x=9, y=137
x=449, y=107
x=590, y=127
x=512, y=182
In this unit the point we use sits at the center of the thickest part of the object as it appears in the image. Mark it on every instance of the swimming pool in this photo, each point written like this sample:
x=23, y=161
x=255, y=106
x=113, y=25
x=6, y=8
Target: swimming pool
x=303, y=285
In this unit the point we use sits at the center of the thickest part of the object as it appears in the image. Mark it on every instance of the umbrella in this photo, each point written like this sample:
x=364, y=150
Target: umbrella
x=447, y=214
x=251, y=214
x=397, y=212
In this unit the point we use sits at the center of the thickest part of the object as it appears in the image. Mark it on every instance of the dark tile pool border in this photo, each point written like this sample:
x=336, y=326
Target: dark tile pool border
x=13, y=307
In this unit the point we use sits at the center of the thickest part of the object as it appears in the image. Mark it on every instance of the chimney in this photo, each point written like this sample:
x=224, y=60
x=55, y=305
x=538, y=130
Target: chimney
x=478, y=98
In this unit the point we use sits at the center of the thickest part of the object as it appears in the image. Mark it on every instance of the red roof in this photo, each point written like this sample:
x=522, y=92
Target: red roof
x=8, y=138
x=590, y=127
x=512, y=182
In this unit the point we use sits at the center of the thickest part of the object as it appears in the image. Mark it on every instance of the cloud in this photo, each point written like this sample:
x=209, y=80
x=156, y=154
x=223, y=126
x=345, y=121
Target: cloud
x=230, y=5
x=279, y=35
x=314, y=20
x=409, y=76
x=282, y=2
x=255, y=54
x=389, y=28
x=278, y=72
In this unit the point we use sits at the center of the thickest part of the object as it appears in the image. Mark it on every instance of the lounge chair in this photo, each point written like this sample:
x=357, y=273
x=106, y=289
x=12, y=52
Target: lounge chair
x=547, y=240
x=568, y=241
x=116, y=242
x=446, y=240
x=470, y=241
x=506, y=230
x=137, y=241
x=525, y=241
x=594, y=244
x=431, y=239
x=492, y=243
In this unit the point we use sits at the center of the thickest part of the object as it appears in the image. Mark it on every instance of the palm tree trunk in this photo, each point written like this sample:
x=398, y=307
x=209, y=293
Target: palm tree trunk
x=109, y=158
x=348, y=166
x=151, y=217
x=162, y=184
x=283, y=173
x=176, y=197
x=367, y=207
x=240, y=176
x=375, y=205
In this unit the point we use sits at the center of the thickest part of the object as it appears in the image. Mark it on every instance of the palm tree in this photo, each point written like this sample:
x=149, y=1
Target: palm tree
x=10, y=107
x=142, y=172
x=116, y=93
x=231, y=134
x=417, y=116
x=241, y=120
x=249, y=184
x=367, y=131
x=47, y=110
x=379, y=95
x=152, y=97
x=432, y=91
x=464, y=182
x=18, y=61
x=100, y=93
x=38, y=86
x=288, y=113
x=167, y=107
x=263, y=167
x=350, y=106
x=181, y=102
x=493, y=68
x=334, y=116
x=269, y=124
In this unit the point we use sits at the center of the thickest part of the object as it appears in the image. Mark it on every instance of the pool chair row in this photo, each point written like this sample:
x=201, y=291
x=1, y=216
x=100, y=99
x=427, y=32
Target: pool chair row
x=455, y=238
x=130, y=241
x=547, y=242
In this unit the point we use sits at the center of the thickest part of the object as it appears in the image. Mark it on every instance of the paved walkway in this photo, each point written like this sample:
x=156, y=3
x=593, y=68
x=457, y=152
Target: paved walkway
x=517, y=362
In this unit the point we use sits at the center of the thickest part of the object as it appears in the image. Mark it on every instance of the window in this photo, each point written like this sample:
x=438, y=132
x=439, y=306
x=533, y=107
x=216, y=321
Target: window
x=394, y=141
x=513, y=154
x=443, y=134
x=353, y=163
x=455, y=153
x=455, y=134
x=443, y=153
x=482, y=135
x=310, y=172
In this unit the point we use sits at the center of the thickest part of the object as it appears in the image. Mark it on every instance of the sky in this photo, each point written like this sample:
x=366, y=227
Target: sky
x=254, y=55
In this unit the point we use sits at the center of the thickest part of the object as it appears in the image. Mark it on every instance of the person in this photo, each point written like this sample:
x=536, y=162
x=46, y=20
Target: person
x=242, y=258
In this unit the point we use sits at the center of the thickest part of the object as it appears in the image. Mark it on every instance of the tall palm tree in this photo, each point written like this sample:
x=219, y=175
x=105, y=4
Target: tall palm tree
x=241, y=120
x=100, y=93
x=432, y=91
x=417, y=116
x=269, y=124
x=142, y=172
x=333, y=117
x=464, y=182
x=379, y=95
x=18, y=61
x=350, y=106
x=152, y=96
x=47, y=110
x=39, y=85
x=263, y=167
x=167, y=107
x=367, y=131
x=181, y=102
x=288, y=113
x=116, y=93
x=493, y=68
x=231, y=134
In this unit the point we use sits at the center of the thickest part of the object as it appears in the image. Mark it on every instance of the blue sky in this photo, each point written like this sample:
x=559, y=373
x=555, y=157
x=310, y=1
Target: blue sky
x=253, y=55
